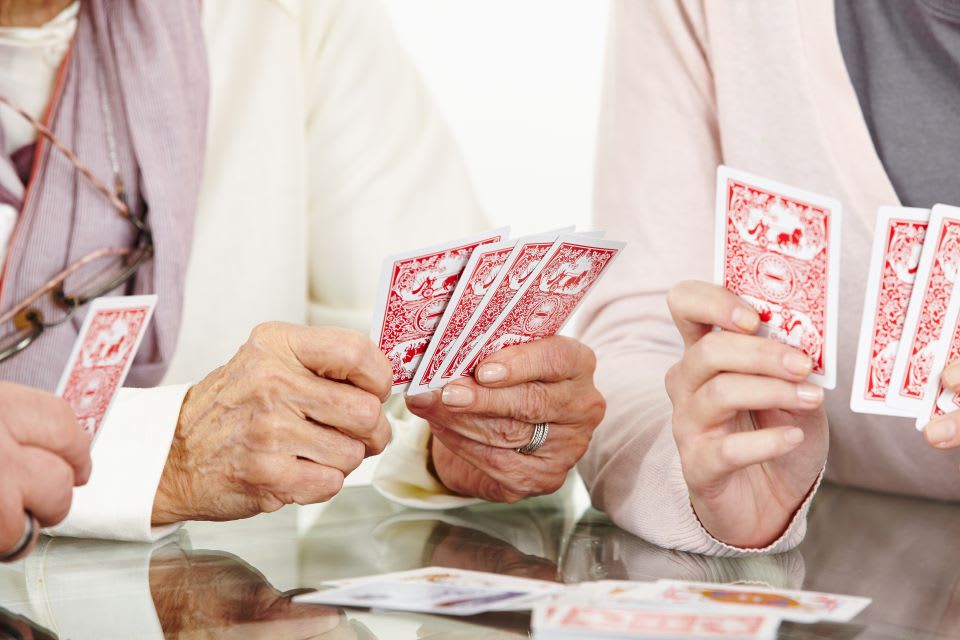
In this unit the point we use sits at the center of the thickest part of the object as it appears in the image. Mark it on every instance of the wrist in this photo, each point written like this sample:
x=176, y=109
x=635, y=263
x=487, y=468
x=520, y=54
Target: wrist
x=170, y=501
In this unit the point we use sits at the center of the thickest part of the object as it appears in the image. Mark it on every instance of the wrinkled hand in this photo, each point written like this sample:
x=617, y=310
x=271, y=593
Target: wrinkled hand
x=943, y=432
x=43, y=454
x=479, y=423
x=752, y=434
x=293, y=412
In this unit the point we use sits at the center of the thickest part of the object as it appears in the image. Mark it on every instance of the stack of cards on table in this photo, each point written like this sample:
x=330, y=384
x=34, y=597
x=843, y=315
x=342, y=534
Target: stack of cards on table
x=443, y=309
x=670, y=609
x=778, y=247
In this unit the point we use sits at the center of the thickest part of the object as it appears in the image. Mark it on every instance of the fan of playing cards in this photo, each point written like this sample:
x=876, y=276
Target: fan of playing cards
x=778, y=247
x=443, y=309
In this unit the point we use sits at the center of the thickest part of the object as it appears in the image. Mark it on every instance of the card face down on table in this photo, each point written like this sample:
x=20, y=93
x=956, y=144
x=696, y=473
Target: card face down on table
x=778, y=247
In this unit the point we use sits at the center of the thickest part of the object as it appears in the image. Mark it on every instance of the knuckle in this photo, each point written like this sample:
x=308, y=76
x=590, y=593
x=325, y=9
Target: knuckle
x=356, y=454
x=714, y=391
x=263, y=332
x=559, y=357
x=259, y=472
x=670, y=379
x=366, y=412
x=534, y=403
x=491, y=459
x=331, y=485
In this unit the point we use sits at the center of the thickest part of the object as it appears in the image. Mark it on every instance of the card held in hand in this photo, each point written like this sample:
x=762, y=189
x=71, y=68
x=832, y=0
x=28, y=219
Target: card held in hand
x=894, y=260
x=549, y=296
x=481, y=271
x=414, y=290
x=102, y=356
x=922, y=328
x=778, y=247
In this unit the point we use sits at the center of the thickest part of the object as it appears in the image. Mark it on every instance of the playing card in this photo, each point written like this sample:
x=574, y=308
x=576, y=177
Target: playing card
x=547, y=298
x=778, y=247
x=936, y=399
x=481, y=271
x=414, y=289
x=897, y=243
x=435, y=590
x=798, y=606
x=559, y=621
x=936, y=274
x=516, y=269
x=102, y=356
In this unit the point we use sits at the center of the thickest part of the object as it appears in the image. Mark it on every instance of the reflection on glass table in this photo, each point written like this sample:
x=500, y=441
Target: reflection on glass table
x=236, y=580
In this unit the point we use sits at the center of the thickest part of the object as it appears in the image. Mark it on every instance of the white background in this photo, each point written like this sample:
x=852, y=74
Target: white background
x=519, y=83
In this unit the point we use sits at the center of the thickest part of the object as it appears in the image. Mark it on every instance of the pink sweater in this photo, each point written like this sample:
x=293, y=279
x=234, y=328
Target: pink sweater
x=760, y=86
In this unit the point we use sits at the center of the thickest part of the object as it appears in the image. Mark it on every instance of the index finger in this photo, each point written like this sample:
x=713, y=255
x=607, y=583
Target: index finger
x=38, y=419
x=697, y=307
x=553, y=359
x=342, y=354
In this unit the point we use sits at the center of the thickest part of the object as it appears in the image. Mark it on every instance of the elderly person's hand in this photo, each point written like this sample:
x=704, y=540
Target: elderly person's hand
x=293, y=412
x=751, y=432
x=43, y=454
x=479, y=423
x=943, y=432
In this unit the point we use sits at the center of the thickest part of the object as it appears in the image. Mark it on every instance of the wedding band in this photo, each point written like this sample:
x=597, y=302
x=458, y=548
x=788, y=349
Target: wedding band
x=26, y=540
x=539, y=438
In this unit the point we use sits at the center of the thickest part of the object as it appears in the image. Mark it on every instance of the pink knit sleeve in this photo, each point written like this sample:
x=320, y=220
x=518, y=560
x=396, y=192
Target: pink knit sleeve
x=659, y=149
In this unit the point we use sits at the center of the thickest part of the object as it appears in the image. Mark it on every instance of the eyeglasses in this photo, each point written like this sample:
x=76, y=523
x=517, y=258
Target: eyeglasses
x=92, y=275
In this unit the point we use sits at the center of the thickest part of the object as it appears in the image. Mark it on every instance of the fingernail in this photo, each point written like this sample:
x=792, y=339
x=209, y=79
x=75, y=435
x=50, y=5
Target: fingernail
x=421, y=400
x=745, y=318
x=951, y=378
x=793, y=436
x=797, y=363
x=492, y=372
x=809, y=393
x=455, y=395
x=941, y=432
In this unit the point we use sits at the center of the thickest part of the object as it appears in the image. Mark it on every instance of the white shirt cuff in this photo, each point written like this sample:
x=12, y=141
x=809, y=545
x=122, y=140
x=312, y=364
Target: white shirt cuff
x=128, y=460
x=402, y=475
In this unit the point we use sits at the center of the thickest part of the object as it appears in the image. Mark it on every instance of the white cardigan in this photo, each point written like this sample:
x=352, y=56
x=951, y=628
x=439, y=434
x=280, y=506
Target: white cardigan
x=325, y=154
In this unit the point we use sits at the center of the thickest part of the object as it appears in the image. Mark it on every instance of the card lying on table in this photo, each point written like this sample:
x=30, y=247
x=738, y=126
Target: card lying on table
x=435, y=590
x=798, y=606
x=778, y=247
x=570, y=621
x=102, y=356
x=414, y=290
x=897, y=243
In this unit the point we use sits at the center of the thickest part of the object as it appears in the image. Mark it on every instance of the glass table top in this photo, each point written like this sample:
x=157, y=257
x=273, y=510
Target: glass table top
x=236, y=580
